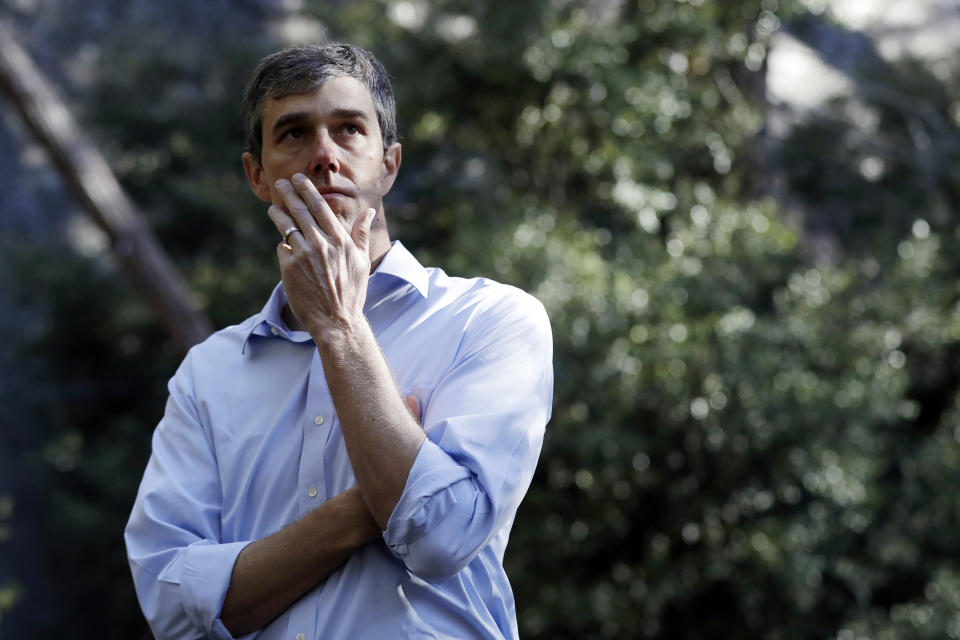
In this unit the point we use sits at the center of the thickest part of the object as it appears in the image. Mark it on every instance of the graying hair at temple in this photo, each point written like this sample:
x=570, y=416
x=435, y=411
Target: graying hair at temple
x=301, y=69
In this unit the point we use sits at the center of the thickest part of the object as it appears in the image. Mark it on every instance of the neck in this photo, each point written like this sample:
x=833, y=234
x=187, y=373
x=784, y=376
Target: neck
x=379, y=244
x=379, y=239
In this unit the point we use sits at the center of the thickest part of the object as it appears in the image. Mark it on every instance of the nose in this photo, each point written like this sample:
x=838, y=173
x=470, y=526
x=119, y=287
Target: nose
x=325, y=155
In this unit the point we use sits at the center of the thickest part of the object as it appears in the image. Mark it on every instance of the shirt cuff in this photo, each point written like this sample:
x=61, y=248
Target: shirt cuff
x=422, y=506
x=204, y=579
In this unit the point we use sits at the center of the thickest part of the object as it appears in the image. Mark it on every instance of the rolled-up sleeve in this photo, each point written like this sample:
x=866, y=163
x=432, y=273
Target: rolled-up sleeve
x=485, y=422
x=180, y=569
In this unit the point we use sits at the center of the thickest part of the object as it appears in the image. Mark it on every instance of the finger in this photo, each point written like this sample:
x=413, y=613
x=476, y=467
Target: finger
x=285, y=249
x=317, y=206
x=295, y=207
x=361, y=230
x=413, y=405
x=282, y=220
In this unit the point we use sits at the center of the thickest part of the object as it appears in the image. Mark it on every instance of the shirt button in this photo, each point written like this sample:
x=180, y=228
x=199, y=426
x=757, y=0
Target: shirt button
x=274, y=331
x=312, y=492
x=318, y=420
x=300, y=636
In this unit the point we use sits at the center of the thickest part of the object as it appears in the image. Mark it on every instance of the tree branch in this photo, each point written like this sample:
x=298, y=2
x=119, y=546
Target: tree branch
x=86, y=172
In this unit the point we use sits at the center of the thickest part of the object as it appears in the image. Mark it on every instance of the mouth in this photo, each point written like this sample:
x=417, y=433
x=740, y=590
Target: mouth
x=334, y=194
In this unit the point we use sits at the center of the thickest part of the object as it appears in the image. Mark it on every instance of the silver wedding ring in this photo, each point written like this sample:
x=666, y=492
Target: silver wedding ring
x=286, y=234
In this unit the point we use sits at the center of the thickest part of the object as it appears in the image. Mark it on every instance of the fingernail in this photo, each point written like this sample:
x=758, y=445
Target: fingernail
x=279, y=183
x=298, y=178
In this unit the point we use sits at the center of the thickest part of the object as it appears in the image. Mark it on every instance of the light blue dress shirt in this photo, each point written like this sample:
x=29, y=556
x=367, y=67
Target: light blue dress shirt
x=250, y=442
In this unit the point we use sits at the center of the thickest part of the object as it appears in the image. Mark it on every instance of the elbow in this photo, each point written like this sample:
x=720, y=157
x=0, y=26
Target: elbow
x=449, y=546
x=437, y=533
x=435, y=564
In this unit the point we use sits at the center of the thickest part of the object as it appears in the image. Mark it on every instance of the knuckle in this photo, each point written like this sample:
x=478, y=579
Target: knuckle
x=312, y=239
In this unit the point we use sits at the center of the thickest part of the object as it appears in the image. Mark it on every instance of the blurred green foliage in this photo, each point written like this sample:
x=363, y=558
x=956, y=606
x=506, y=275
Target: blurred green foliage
x=749, y=439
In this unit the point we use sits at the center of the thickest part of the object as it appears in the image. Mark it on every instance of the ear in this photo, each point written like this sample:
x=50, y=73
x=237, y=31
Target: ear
x=391, y=165
x=256, y=177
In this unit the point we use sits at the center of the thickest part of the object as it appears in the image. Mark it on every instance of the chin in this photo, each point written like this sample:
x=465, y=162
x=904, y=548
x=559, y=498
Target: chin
x=342, y=208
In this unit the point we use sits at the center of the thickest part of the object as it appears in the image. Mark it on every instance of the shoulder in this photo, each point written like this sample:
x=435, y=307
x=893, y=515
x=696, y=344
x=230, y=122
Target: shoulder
x=490, y=307
x=484, y=294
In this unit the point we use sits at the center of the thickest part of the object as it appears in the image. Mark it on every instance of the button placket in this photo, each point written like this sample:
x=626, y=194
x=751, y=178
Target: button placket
x=315, y=426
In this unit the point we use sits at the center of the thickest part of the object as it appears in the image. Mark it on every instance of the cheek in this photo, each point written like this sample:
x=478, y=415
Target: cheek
x=375, y=164
x=275, y=196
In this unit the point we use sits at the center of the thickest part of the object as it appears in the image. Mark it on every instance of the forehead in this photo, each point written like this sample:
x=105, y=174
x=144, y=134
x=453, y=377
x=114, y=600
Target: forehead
x=342, y=93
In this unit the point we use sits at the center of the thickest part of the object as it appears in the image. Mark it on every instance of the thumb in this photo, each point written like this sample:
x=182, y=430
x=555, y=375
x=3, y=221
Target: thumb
x=361, y=229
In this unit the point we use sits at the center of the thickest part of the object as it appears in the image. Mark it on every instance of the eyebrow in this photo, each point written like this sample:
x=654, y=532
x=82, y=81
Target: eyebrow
x=349, y=114
x=288, y=118
x=300, y=116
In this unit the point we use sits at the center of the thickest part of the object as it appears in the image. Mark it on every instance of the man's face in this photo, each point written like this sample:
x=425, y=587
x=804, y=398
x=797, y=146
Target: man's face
x=332, y=136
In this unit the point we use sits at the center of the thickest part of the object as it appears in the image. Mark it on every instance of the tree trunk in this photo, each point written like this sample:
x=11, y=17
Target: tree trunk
x=88, y=175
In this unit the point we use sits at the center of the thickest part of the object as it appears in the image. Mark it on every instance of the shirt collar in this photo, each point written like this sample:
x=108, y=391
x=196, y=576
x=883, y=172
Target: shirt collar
x=400, y=263
x=397, y=264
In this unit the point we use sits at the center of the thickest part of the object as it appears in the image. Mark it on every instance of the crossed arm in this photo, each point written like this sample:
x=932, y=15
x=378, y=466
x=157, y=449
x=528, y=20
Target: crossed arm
x=272, y=573
x=324, y=271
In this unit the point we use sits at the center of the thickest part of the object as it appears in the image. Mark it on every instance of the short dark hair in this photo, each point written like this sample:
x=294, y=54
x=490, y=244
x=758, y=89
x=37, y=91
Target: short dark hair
x=301, y=69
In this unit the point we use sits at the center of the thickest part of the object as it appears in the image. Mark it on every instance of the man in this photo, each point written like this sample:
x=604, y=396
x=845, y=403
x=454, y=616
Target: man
x=292, y=492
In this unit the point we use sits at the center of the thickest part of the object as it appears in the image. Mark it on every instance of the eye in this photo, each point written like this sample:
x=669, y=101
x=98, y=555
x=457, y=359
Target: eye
x=350, y=129
x=296, y=133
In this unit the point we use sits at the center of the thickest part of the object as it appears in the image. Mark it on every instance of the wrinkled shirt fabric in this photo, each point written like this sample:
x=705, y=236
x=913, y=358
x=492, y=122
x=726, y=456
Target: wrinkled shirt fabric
x=250, y=442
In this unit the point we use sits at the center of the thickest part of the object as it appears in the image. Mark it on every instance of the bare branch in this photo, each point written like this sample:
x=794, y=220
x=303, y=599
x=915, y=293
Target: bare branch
x=88, y=175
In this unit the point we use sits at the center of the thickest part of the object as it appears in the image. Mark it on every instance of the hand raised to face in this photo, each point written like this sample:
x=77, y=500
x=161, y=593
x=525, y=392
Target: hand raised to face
x=325, y=263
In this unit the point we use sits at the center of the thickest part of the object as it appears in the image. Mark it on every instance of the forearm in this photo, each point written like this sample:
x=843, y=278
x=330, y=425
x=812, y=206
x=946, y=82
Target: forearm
x=381, y=436
x=272, y=573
